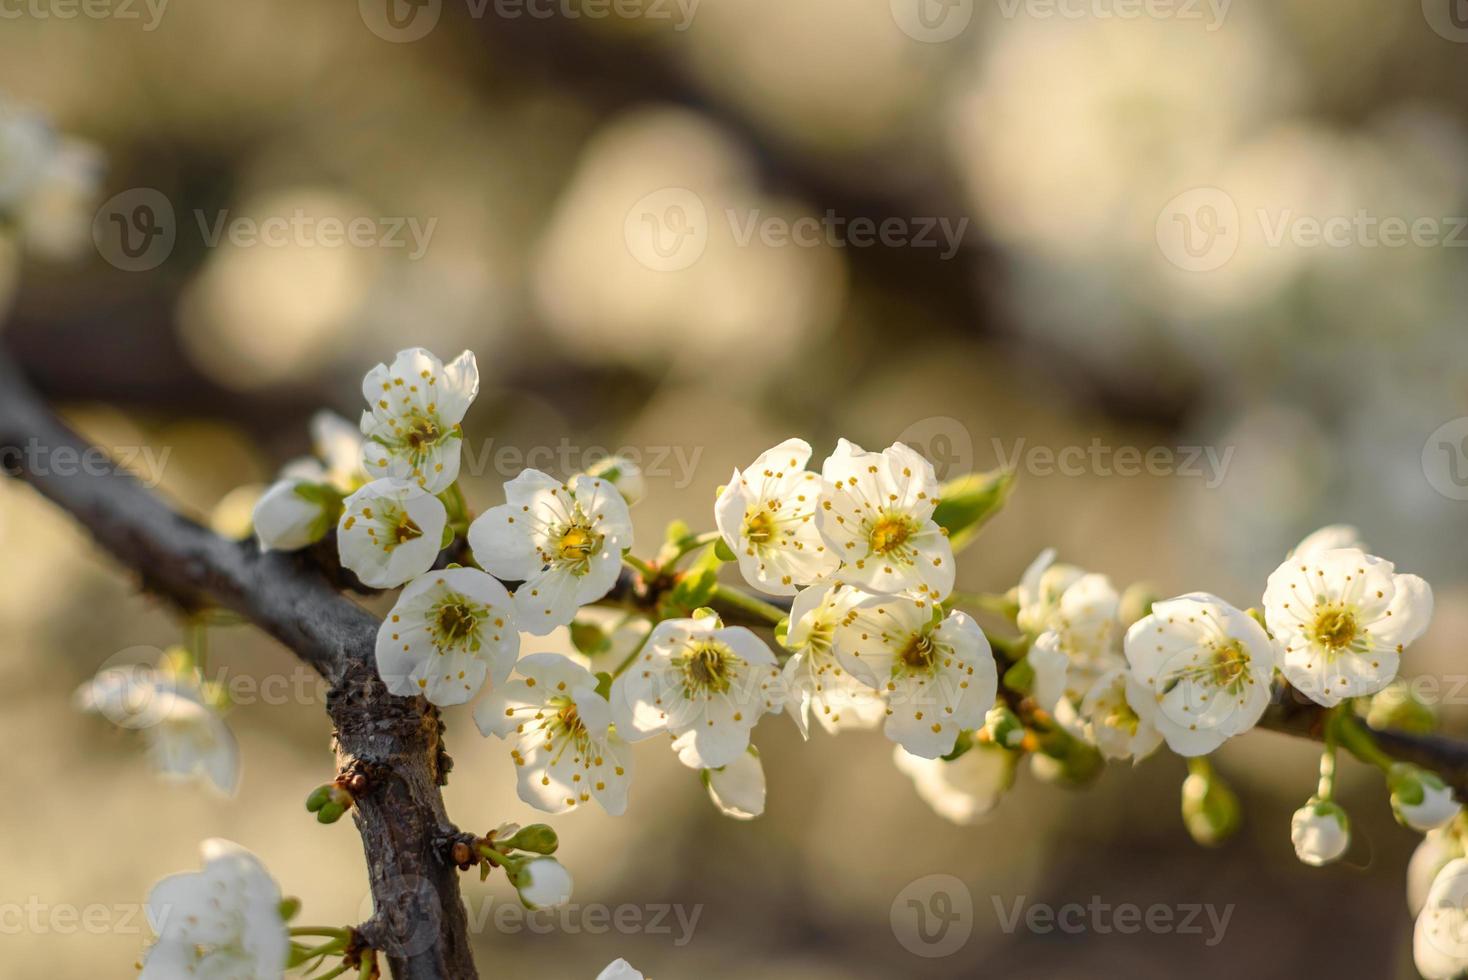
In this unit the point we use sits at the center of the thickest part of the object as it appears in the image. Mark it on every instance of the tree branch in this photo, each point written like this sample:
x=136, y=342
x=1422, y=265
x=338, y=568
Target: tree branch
x=420, y=922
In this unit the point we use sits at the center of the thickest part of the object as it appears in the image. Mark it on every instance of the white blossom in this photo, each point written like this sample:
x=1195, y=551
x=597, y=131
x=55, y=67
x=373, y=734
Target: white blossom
x=738, y=789
x=1119, y=717
x=221, y=922
x=390, y=531
x=1039, y=591
x=448, y=632
x=562, y=542
x=1320, y=831
x=1440, y=939
x=704, y=683
x=815, y=681
x=412, y=425
x=877, y=517
x=937, y=679
x=1206, y=665
x=1079, y=639
x=187, y=739
x=338, y=444
x=543, y=883
x=1342, y=619
x=1437, y=848
x=965, y=789
x=767, y=516
x=565, y=749
x=293, y=513
x=619, y=970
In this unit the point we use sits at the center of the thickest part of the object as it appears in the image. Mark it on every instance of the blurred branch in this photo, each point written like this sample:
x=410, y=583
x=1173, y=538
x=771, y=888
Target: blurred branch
x=402, y=818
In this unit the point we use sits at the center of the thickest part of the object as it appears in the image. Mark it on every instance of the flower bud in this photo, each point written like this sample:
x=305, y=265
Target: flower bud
x=1420, y=799
x=543, y=883
x=288, y=908
x=1397, y=707
x=537, y=837
x=738, y=789
x=1004, y=727
x=623, y=474
x=294, y=513
x=1210, y=809
x=1320, y=831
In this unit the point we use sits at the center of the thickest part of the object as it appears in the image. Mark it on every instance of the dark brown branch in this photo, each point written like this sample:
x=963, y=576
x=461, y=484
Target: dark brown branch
x=420, y=922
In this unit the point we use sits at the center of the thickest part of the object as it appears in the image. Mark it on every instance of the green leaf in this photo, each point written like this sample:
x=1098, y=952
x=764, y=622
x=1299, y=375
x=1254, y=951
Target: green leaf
x=966, y=503
x=589, y=638
x=722, y=550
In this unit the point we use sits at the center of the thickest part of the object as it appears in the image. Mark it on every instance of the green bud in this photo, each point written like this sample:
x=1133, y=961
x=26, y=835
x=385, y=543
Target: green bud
x=1398, y=707
x=589, y=638
x=319, y=797
x=1004, y=727
x=1210, y=809
x=704, y=612
x=537, y=837
x=289, y=907
x=967, y=503
x=1066, y=760
x=330, y=813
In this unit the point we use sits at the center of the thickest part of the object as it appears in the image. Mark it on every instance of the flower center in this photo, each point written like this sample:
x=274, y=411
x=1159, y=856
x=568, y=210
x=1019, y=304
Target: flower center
x=890, y=533
x=456, y=622
x=708, y=668
x=920, y=654
x=575, y=544
x=1122, y=718
x=422, y=432
x=1228, y=664
x=1335, y=628
x=759, y=526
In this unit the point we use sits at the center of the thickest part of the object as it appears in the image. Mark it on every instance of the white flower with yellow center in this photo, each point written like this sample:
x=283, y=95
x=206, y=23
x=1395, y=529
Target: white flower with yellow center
x=877, y=517
x=1207, y=667
x=1341, y=619
x=565, y=749
x=1440, y=939
x=448, y=632
x=815, y=681
x=963, y=790
x=767, y=515
x=224, y=921
x=704, y=683
x=390, y=531
x=1079, y=638
x=412, y=425
x=1119, y=717
x=562, y=542
x=936, y=678
x=187, y=739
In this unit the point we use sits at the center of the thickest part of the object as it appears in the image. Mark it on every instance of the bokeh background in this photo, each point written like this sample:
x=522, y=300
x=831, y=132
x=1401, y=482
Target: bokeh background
x=1087, y=304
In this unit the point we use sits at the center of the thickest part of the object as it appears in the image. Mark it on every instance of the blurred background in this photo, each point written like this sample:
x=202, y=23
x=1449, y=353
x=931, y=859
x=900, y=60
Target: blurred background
x=1052, y=235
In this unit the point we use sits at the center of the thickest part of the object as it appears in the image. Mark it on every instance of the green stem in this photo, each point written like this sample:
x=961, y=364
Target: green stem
x=748, y=604
x=338, y=971
x=631, y=657
x=999, y=605
x=457, y=507
x=1199, y=765
x=321, y=931
x=196, y=639
x=674, y=551
x=638, y=565
x=1355, y=739
x=369, y=965
x=1326, y=789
